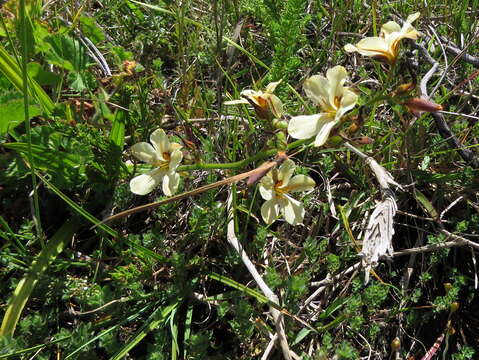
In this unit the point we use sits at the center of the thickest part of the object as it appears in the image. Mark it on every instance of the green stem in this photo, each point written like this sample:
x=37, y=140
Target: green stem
x=241, y=163
x=36, y=204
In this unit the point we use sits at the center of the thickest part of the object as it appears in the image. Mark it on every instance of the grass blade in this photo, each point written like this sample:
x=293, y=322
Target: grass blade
x=13, y=73
x=156, y=319
x=26, y=285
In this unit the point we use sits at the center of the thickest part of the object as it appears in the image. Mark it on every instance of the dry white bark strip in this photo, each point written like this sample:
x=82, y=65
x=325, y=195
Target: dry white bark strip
x=275, y=313
x=377, y=240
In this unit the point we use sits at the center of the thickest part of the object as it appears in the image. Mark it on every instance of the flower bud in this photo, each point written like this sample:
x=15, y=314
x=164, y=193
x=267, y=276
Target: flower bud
x=454, y=307
x=404, y=89
x=280, y=124
x=447, y=286
x=419, y=105
x=395, y=344
x=281, y=142
x=129, y=66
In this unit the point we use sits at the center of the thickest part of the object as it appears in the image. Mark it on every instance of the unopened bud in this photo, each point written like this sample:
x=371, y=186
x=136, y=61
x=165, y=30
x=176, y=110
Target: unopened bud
x=395, y=344
x=353, y=128
x=404, y=89
x=363, y=140
x=418, y=105
x=280, y=124
x=129, y=66
x=454, y=307
x=447, y=286
x=281, y=142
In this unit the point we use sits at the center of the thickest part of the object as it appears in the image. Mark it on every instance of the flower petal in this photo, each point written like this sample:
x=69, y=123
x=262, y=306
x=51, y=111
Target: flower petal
x=323, y=133
x=336, y=78
x=270, y=211
x=144, y=152
x=171, y=181
x=317, y=89
x=252, y=95
x=370, y=46
x=266, y=188
x=293, y=211
x=390, y=27
x=272, y=86
x=174, y=146
x=305, y=126
x=175, y=158
x=300, y=183
x=348, y=100
x=285, y=171
x=413, y=17
x=145, y=183
x=160, y=142
x=275, y=105
x=236, y=102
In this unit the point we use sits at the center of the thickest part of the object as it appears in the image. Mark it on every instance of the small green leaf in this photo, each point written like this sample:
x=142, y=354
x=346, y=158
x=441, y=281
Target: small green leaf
x=426, y=204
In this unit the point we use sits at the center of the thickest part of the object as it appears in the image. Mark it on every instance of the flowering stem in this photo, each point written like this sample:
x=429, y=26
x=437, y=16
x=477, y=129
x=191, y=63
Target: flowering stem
x=241, y=163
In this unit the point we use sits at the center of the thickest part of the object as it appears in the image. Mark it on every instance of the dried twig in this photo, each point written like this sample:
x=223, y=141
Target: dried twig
x=277, y=316
x=441, y=124
x=324, y=283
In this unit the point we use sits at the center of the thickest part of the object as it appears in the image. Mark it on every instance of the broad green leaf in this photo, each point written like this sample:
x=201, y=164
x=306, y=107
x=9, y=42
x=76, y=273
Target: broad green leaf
x=43, y=77
x=64, y=167
x=12, y=114
x=67, y=53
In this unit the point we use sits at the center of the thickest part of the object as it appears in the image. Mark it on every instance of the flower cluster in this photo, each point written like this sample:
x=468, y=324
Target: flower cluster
x=334, y=101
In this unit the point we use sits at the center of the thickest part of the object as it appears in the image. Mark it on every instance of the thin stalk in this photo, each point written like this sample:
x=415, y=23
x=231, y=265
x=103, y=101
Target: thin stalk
x=36, y=203
x=241, y=163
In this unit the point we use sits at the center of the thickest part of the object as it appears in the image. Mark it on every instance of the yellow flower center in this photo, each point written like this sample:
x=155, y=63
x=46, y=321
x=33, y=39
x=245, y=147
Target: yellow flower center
x=163, y=164
x=279, y=191
x=337, y=102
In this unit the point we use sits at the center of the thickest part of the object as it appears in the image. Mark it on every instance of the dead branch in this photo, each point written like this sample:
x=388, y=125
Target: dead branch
x=275, y=313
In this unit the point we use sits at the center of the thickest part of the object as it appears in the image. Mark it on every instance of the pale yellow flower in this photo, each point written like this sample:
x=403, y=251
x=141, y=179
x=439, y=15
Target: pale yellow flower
x=165, y=156
x=264, y=102
x=333, y=98
x=275, y=187
x=385, y=47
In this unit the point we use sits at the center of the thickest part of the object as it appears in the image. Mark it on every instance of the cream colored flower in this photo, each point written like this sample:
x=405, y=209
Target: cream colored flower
x=264, y=102
x=165, y=157
x=275, y=187
x=333, y=98
x=385, y=47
